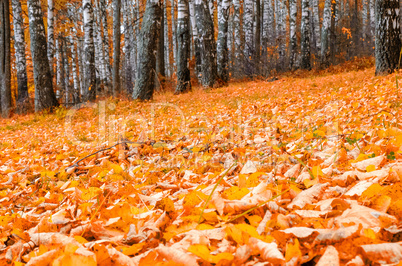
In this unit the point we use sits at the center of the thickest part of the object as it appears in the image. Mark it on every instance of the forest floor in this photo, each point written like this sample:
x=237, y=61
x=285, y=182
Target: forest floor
x=304, y=169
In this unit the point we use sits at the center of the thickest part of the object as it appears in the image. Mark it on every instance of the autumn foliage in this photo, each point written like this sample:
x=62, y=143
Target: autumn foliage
x=307, y=168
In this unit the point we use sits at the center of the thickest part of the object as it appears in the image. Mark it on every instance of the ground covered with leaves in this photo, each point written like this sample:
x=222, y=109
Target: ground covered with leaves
x=306, y=169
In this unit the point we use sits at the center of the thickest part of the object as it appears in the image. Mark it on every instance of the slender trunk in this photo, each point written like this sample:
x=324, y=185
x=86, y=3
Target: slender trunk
x=332, y=37
x=166, y=37
x=317, y=32
x=387, y=40
x=116, y=46
x=89, y=50
x=160, y=57
x=222, y=45
x=372, y=19
x=281, y=13
x=305, y=35
x=50, y=34
x=248, y=8
x=196, y=40
x=5, y=66
x=44, y=95
x=257, y=37
x=293, y=37
x=105, y=39
x=74, y=69
x=100, y=60
x=326, y=23
x=174, y=34
x=20, y=59
x=207, y=41
x=66, y=66
x=144, y=86
x=183, y=42
x=238, y=53
x=128, y=40
x=60, y=78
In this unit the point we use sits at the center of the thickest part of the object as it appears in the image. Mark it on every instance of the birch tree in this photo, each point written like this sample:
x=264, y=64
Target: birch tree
x=174, y=34
x=105, y=38
x=387, y=41
x=144, y=86
x=248, y=30
x=128, y=41
x=20, y=59
x=222, y=44
x=89, y=51
x=5, y=66
x=292, y=31
x=281, y=13
x=326, y=23
x=44, y=95
x=238, y=54
x=207, y=43
x=305, y=35
x=50, y=33
x=183, y=43
x=116, y=46
x=160, y=50
x=60, y=80
x=316, y=26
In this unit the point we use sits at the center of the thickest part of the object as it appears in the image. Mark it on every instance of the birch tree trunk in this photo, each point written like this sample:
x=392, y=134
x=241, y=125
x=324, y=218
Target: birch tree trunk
x=257, y=37
x=116, y=46
x=207, y=43
x=326, y=23
x=174, y=35
x=128, y=40
x=74, y=70
x=89, y=50
x=372, y=19
x=20, y=59
x=248, y=8
x=66, y=66
x=50, y=34
x=237, y=40
x=44, y=95
x=222, y=45
x=105, y=39
x=268, y=32
x=305, y=35
x=292, y=30
x=387, y=41
x=281, y=13
x=183, y=52
x=166, y=37
x=5, y=65
x=317, y=32
x=60, y=80
x=144, y=86
x=197, y=48
x=100, y=60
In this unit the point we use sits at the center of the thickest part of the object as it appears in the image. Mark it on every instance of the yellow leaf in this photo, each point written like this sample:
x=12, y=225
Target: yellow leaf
x=370, y=168
x=317, y=172
x=293, y=250
x=235, y=193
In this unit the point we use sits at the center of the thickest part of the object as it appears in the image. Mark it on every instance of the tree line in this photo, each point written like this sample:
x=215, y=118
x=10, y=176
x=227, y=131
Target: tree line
x=77, y=50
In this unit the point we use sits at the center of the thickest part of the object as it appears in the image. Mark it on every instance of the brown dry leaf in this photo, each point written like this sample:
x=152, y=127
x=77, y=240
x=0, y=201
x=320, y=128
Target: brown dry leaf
x=385, y=253
x=268, y=251
x=329, y=258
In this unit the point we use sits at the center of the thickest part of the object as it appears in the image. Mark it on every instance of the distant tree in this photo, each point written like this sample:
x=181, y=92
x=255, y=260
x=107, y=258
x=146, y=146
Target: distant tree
x=326, y=23
x=5, y=66
x=183, y=43
x=116, y=46
x=144, y=86
x=387, y=40
x=50, y=33
x=20, y=59
x=89, y=51
x=160, y=57
x=128, y=41
x=238, y=53
x=44, y=94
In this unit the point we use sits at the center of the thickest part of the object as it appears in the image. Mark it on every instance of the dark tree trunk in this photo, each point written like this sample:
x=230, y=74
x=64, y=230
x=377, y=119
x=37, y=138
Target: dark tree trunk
x=387, y=40
x=116, y=46
x=305, y=35
x=144, y=86
x=207, y=43
x=5, y=67
x=183, y=44
x=332, y=36
x=44, y=94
